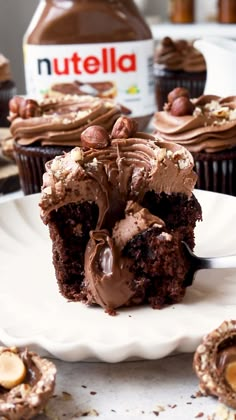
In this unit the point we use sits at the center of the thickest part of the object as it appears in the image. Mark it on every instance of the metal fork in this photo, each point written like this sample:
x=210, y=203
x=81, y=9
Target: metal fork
x=199, y=263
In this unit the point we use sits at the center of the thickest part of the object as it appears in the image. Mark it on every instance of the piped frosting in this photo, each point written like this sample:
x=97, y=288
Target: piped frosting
x=210, y=128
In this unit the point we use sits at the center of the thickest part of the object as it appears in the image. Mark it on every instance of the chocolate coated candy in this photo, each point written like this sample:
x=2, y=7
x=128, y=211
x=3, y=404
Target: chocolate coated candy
x=215, y=363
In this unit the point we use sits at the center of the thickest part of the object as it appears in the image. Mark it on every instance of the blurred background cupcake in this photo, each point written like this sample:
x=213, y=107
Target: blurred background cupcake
x=206, y=126
x=178, y=64
x=45, y=129
x=7, y=90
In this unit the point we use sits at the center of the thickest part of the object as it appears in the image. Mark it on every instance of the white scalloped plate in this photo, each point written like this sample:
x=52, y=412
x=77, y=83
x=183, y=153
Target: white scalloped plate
x=33, y=313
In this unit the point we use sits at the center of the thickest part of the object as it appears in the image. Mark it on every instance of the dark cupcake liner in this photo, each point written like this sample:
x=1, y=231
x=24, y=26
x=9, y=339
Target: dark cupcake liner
x=216, y=171
x=7, y=91
x=166, y=81
x=31, y=162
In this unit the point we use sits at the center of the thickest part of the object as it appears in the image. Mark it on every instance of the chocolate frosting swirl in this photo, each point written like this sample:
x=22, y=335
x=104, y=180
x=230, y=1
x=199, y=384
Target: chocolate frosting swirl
x=179, y=55
x=121, y=172
x=127, y=168
x=5, y=70
x=211, y=128
x=60, y=121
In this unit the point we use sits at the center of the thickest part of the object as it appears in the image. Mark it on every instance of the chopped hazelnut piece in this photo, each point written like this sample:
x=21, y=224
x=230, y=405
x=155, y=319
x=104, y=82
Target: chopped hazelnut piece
x=77, y=154
x=12, y=370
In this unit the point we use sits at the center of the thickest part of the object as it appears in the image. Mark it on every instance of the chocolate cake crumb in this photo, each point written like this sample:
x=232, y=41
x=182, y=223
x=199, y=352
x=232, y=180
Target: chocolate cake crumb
x=66, y=396
x=92, y=413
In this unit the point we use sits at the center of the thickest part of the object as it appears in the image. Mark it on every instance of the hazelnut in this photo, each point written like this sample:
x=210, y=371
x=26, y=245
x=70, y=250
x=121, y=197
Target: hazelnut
x=230, y=375
x=95, y=137
x=124, y=128
x=182, y=106
x=167, y=42
x=176, y=93
x=24, y=108
x=12, y=370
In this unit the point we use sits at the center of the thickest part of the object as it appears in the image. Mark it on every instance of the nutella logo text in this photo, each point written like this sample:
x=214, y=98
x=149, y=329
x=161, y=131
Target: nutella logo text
x=108, y=62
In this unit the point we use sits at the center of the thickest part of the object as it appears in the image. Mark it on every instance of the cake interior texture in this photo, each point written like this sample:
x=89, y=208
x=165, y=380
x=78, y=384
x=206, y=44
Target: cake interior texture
x=158, y=261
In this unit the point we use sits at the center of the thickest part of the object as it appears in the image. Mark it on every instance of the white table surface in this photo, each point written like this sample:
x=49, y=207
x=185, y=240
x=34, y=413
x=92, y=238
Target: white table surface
x=165, y=388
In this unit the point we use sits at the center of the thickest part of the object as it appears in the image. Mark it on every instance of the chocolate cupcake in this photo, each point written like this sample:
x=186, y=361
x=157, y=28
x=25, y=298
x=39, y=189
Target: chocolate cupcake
x=178, y=64
x=215, y=363
x=43, y=130
x=26, y=383
x=7, y=90
x=206, y=126
x=118, y=210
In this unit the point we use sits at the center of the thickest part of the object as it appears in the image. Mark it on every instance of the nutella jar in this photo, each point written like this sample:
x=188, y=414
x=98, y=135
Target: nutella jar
x=97, y=47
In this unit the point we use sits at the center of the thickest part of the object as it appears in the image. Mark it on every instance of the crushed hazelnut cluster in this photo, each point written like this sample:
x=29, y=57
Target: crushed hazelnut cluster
x=216, y=112
x=179, y=157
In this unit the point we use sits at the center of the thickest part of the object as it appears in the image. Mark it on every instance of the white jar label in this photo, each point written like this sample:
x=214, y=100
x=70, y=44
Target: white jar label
x=123, y=71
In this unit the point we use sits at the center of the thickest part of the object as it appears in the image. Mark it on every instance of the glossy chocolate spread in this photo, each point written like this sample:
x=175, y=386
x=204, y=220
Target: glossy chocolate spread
x=116, y=178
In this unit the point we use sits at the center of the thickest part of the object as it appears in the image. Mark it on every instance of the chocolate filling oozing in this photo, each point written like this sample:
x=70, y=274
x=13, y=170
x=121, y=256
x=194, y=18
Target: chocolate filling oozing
x=158, y=264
